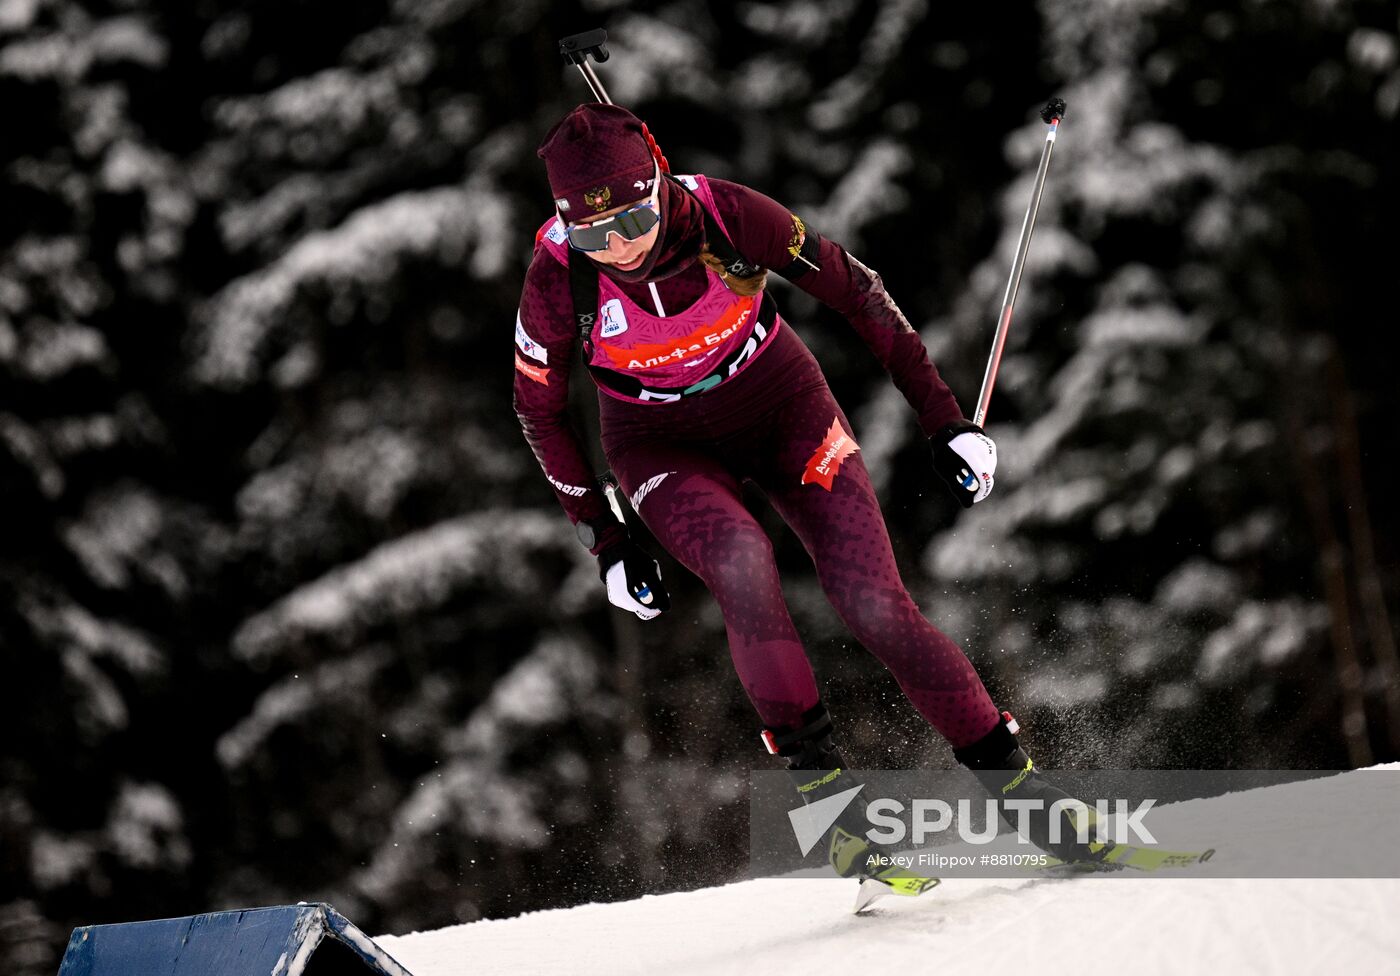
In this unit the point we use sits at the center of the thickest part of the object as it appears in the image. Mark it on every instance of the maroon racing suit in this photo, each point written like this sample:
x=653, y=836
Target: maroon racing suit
x=770, y=419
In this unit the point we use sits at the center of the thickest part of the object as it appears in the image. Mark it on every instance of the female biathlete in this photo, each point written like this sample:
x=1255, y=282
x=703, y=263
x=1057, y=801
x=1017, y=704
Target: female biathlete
x=658, y=281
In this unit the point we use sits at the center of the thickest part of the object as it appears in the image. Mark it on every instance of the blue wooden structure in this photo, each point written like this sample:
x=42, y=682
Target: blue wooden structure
x=289, y=940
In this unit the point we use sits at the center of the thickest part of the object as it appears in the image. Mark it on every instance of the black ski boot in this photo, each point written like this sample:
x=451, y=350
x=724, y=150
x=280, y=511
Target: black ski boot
x=1007, y=773
x=818, y=770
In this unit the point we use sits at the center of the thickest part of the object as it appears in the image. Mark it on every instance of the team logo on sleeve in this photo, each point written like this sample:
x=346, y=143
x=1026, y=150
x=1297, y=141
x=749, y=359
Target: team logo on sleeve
x=529, y=346
x=826, y=461
x=798, y=238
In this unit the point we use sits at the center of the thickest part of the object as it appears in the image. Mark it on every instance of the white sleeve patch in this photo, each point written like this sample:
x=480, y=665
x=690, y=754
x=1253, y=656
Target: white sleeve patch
x=529, y=346
x=691, y=182
x=556, y=231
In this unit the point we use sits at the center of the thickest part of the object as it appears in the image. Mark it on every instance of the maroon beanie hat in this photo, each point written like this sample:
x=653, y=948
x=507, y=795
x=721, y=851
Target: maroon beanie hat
x=598, y=157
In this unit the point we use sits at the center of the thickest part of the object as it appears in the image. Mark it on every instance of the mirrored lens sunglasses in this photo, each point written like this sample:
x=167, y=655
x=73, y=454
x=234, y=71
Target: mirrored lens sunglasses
x=629, y=225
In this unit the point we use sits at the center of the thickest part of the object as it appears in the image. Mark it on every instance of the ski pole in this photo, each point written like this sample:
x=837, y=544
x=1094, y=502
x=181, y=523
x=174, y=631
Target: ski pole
x=1051, y=115
x=577, y=47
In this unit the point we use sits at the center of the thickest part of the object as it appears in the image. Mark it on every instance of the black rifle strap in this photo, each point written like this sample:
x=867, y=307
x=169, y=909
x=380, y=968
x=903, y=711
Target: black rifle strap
x=720, y=245
x=739, y=266
x=583, y=285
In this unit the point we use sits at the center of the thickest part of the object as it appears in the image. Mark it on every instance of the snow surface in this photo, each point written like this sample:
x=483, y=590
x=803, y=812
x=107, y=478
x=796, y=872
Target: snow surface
x=1081, y=925
x=805, y=927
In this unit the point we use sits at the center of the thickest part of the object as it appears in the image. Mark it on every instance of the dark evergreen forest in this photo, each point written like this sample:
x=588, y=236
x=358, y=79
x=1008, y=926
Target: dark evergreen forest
x=287, y=609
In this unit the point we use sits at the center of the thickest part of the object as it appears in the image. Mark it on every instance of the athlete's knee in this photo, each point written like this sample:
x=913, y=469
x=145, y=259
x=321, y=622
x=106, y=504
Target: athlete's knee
x=881, y=616
x=737, y=559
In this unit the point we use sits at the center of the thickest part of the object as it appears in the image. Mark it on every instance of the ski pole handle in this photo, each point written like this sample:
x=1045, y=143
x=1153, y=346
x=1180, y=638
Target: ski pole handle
x=577, y=47
x=1051, y=115
x=611, y=492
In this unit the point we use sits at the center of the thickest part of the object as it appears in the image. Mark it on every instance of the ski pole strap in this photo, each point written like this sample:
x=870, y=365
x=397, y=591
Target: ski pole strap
x=815, y=725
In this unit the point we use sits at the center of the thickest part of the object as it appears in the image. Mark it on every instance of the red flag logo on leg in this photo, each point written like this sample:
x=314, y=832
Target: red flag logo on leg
x=534, y=372
x=838, y=446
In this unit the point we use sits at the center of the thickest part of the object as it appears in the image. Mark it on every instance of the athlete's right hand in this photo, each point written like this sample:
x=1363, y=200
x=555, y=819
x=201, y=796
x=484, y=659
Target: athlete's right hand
x=966, y=459
x=633, y=579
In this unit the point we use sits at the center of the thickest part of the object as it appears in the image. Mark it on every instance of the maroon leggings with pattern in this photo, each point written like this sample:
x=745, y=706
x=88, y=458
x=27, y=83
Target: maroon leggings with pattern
x=682, y=463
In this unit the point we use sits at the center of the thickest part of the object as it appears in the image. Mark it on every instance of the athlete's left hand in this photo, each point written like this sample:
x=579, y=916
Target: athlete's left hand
x=966, y=459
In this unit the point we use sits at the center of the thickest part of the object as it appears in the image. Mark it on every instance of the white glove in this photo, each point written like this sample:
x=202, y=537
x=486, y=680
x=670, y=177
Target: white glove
x=966, y=459
x=633, y=579
x=619, y=596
